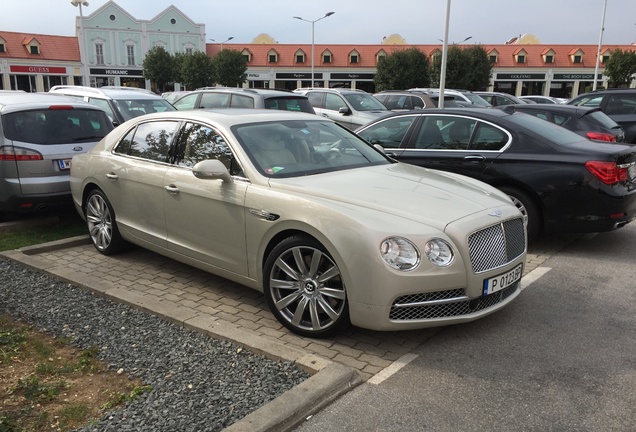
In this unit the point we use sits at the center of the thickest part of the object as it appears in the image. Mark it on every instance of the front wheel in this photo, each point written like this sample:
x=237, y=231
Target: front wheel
x=102, y=228
x=528, y=208
x=304, y=288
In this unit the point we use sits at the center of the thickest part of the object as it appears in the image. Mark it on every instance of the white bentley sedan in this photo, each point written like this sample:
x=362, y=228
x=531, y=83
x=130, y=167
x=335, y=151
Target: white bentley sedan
x=330, y=229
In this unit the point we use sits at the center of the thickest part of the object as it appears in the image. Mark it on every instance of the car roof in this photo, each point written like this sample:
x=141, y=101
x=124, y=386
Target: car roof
x=576, y=110
x=267, y=92
x=232, y=116
x=329, y=90
x=106, y=92
x=19, y=100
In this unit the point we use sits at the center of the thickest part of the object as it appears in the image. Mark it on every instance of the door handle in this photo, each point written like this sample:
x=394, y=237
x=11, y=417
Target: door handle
x=474, y=158
x=112, y=176
x=171, y=189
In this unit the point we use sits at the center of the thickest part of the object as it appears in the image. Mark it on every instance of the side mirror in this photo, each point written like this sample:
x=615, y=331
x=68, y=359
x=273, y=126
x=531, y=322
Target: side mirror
x=379, y=148
x=344, y=110
x=211, y=169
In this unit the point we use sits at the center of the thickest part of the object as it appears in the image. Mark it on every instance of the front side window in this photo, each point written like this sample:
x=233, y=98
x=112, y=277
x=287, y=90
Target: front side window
x=200, y=142
x=364, y=102
x=151, y=141
x=390, y=132
x=334, y=102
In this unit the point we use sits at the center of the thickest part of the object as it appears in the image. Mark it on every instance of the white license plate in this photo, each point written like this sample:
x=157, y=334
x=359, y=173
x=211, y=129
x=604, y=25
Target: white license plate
x=502, y=281
x=64, y=164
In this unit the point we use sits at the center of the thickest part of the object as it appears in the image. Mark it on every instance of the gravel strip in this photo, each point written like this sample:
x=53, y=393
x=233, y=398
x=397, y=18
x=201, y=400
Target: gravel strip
x=199, y=383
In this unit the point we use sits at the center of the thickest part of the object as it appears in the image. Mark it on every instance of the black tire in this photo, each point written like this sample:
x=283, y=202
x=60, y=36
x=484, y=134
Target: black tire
x=102, y=228
x=528, y=208
x=304, y=288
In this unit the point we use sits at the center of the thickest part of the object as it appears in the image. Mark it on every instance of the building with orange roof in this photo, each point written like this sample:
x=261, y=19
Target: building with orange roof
x=116, y=44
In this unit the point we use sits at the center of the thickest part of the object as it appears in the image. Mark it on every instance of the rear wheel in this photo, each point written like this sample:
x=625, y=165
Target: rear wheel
x=528, y=208
x=102, y=228
x=304, y=288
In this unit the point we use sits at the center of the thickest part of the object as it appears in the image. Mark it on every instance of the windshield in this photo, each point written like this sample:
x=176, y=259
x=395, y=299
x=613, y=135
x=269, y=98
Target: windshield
x=296, y=148
x=364, y=102
x=131, y=108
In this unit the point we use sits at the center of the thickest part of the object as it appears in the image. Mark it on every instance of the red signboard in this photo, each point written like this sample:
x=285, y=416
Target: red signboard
x=39, y=69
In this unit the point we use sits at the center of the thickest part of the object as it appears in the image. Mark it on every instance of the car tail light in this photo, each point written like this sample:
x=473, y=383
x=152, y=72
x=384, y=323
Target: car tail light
x=608, y=172
x=61, y=107
x=18, y=154
x=601, y=136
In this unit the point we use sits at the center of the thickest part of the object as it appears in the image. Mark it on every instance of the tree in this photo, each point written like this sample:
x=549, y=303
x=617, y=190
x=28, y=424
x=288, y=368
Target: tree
x=480, y=67
x=159, y=67
x=230, y=68
x=402, y=70
x=620, y=68
x=196, y=70
x=466, y=69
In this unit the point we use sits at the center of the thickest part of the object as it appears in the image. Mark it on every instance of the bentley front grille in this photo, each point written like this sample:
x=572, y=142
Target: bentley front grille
x=497, y=245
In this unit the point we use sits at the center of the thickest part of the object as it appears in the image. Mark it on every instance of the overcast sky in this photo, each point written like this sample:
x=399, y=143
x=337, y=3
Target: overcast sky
x=358, y=21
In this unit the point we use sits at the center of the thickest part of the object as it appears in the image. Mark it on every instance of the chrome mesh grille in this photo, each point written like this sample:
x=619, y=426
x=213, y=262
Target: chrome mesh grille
x=497, y=245
x=410, y=307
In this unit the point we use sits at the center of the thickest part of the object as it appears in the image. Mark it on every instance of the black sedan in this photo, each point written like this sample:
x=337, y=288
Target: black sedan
x=560, y=181
x=592, y=123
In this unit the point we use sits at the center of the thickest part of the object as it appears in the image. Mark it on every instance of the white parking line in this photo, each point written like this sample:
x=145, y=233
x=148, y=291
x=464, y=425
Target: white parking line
x=533, y=276
x=392, y=369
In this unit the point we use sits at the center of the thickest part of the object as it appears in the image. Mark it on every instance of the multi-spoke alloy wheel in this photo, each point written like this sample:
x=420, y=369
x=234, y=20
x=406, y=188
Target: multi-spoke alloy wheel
x=100, y=221
x=304, y=288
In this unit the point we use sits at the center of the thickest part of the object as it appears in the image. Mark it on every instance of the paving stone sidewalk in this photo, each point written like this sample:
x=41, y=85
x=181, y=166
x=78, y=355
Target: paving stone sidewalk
x=198, y=294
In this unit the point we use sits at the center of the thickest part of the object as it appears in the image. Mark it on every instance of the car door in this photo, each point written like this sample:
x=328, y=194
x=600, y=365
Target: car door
x=455, y=143
x=135, y=185
x=205, y=218
x=334, y=103
x=621, y=107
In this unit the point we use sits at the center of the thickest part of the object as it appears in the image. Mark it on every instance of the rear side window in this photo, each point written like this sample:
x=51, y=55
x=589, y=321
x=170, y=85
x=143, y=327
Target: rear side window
x=149, y=141
x=315, y=99
x=239, y=101
x=56, y=126
x=214, y=100
x=602, y=119
x=289, y=104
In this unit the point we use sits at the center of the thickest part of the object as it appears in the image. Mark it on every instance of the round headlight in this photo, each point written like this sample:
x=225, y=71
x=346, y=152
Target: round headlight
x=439, y=252
x=399, y=253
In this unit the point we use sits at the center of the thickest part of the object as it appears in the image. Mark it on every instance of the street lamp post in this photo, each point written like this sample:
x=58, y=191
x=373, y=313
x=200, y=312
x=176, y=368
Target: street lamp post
x=82, y=42
x=226, y=40
x=328, y=14
x=600, y=43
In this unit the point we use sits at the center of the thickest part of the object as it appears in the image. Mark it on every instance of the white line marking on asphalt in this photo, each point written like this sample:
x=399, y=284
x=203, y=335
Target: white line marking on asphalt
x=392, y=368
x=533, y=276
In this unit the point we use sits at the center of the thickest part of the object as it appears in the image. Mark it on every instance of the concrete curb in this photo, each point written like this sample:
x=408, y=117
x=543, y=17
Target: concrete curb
x=329, y=380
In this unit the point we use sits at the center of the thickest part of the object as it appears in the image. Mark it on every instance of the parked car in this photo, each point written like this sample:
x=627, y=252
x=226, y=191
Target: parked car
x=468, y=98
x=502, y=99
x=591, y=123
x=295, y=206
x=350, y=108
x=559, y=180
x=120, y=103
x=39, y=134
x=544, y=99
x=619, y=104
x=221, y=97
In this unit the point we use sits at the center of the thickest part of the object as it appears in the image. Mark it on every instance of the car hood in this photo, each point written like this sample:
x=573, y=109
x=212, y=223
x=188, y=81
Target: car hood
x=432, y=197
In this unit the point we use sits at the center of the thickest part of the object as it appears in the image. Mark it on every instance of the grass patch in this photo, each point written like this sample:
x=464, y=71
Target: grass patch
x=49, y=385
x=54, y=226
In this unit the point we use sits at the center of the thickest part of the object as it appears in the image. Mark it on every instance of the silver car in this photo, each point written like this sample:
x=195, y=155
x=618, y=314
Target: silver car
x=39, y=135
x=326, y=226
